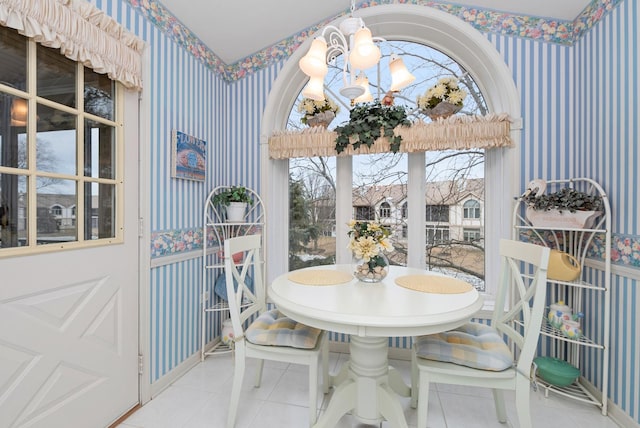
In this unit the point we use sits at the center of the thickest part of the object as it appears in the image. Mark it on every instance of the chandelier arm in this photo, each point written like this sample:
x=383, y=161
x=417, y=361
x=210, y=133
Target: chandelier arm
x=337, y=44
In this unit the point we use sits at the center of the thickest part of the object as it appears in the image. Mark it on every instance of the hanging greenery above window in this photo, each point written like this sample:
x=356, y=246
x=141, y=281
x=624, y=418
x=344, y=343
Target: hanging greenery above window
x=370, y=121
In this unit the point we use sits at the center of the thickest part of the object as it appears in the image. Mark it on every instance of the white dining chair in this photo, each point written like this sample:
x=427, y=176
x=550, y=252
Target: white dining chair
x=476, y=354
x=269, y=335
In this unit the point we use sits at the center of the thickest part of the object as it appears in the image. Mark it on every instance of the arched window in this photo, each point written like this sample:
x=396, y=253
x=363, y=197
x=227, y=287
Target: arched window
x=466, y=46
x=386, y=176
x=385, y=210
x=471, y=209
x=56, y=210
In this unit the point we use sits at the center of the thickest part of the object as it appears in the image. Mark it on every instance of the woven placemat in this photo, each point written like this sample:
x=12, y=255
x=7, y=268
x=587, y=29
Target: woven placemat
x=434, y=284
x=320, y=277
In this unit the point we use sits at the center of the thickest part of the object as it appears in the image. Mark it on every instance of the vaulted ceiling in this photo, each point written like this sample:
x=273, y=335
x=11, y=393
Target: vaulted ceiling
x=235, y=29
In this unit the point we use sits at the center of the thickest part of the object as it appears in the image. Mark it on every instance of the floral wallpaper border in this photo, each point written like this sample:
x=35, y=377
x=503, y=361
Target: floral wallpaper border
x=625, y=249
x=178, y=241
x=484, y=20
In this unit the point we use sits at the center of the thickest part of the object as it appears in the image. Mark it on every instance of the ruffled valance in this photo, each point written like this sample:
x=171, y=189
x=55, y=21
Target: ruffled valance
x=454, y=133
x=82, y=32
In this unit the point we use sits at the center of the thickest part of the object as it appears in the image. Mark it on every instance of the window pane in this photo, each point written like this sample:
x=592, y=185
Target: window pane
x=13, y=140
x=99, y=155
x=100, y=209
x=13, y=210
x=312, y=202
x=379, y=192
x=55, y=222
x=56, y=76
x=13, y=57
x=99, y=93
x=56, y=141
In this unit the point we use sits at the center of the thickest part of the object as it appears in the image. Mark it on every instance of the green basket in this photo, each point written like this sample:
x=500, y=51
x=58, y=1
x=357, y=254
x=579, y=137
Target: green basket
x=556, y=371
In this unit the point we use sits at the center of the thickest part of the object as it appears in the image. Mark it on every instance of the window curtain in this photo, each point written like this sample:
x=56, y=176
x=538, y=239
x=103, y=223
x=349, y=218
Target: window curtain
x=82, y=32
x=454, y=133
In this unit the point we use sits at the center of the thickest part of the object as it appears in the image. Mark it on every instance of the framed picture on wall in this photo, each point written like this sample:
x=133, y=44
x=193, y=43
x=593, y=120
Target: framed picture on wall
x=189, y=156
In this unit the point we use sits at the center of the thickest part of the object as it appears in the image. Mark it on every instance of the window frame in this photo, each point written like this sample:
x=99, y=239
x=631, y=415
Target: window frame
x=31, y=172
x=469, y=47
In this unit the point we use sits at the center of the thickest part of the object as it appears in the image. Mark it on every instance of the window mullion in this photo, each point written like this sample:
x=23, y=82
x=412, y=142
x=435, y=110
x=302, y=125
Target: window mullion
x=416, y=188
x=80, y=133
x=32, y=130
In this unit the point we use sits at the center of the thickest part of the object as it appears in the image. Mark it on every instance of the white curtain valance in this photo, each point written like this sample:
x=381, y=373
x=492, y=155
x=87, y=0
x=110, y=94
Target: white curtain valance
x=82, y=32
x=454, y=133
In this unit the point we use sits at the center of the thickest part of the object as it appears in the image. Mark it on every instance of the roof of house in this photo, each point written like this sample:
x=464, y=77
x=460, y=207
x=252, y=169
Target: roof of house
x=447, y=192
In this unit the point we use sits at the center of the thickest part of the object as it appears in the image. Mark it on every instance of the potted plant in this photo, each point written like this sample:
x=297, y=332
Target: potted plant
x=235, y=200
x=565, y=208
x=442, y=100
x=370, y=121
x=318, y=112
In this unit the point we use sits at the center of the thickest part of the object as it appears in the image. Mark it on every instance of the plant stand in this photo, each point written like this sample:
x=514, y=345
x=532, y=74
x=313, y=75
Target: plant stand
x=217, y=228
x=589, y=293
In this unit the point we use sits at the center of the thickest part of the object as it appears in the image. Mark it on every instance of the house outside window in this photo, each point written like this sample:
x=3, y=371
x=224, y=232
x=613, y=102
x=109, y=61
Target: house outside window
x=437, y=213
x=59, y=156
x=471, y=209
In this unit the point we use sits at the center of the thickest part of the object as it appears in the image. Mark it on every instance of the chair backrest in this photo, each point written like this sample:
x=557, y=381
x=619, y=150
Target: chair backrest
x=246, y=298
x=523, y=280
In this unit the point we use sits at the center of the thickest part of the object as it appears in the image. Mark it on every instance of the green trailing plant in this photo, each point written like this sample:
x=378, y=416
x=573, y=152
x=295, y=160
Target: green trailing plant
x=370, y=121
x=232, y=194
x=565, y=199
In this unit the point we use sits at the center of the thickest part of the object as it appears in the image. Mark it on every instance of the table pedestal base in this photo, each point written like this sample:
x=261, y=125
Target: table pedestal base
x=368, y=387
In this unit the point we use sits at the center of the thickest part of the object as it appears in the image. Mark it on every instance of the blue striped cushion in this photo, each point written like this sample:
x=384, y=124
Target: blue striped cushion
x=473, y=345
x=274, y=329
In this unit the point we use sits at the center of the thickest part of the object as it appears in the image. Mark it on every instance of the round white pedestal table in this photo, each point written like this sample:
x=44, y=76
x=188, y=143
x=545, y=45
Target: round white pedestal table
x=370, y=313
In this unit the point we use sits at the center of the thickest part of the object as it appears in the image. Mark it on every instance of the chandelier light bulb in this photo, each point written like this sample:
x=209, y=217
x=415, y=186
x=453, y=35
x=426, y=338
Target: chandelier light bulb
x=314, y=89
x=314, y=63
x=365, y=53
x=19, y=111
x=363, y=81
x=400, y=76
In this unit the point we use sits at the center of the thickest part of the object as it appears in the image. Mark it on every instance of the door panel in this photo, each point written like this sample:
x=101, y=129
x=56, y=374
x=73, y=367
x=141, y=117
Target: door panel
x=69, y=326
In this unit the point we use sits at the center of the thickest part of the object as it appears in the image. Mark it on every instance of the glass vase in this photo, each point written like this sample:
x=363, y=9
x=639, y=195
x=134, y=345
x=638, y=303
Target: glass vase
x=373, y=270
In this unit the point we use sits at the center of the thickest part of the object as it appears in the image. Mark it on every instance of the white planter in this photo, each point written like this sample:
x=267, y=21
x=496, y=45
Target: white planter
x=562, y=219
x=236, y=211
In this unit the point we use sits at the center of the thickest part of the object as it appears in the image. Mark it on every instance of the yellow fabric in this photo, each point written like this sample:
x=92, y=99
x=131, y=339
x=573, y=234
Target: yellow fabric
x=320, y=277
x=434, y=284
x=456, y=132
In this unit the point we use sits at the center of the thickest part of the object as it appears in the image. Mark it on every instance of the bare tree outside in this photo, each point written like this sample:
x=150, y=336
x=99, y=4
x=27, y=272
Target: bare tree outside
x=455, y=178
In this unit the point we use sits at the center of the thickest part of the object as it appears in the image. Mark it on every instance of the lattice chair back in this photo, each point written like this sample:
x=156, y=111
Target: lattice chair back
x=244, y=280
x=523, y=280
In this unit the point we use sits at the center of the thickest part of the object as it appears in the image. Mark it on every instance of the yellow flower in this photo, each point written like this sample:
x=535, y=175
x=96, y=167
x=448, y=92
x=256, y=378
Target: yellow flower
x=446, y=89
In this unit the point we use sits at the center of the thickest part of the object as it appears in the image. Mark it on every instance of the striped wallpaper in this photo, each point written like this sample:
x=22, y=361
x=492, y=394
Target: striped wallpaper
x=605, y=147
x=580, y=110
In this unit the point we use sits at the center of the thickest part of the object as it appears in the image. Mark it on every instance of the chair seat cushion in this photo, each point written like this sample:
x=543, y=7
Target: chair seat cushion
x=473, y=345
x=274, y=329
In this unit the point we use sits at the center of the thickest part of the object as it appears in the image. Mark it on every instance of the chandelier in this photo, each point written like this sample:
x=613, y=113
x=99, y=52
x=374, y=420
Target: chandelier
x=354, y=42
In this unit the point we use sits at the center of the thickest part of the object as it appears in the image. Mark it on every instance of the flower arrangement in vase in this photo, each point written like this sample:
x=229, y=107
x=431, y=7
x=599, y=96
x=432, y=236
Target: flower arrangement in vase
x=369, y=241
x=443, y=99
x=318, y=113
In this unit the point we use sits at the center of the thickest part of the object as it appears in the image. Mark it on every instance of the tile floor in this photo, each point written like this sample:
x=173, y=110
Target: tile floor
x=200, y=399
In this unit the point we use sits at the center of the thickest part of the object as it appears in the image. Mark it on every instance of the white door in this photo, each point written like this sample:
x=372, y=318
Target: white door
x=69, y=325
